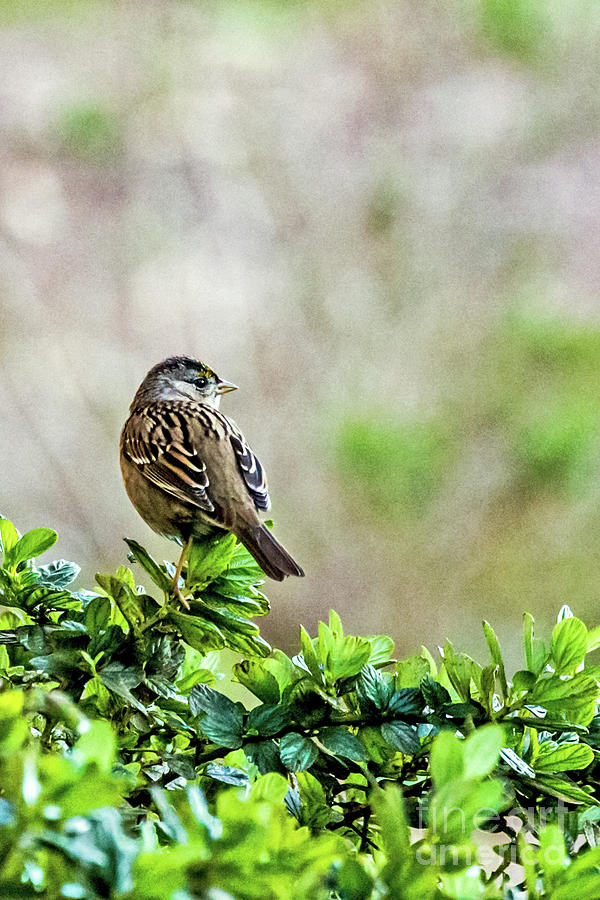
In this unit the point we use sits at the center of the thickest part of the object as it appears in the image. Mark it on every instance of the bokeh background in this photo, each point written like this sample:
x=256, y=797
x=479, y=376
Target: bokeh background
x=382, y=220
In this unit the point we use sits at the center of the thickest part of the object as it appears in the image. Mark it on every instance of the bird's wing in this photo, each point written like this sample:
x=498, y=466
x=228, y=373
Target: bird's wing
x=166, y=442
x=251, y=469
x=158, y=440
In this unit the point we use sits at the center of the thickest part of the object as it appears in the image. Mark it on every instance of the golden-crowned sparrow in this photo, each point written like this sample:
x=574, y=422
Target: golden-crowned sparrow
x=188, y=469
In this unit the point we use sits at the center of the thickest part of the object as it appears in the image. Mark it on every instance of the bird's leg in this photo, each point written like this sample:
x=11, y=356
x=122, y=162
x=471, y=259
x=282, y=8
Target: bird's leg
x=176, y=590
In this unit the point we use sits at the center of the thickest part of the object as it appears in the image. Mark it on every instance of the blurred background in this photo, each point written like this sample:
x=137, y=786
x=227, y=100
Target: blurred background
x=381, y=220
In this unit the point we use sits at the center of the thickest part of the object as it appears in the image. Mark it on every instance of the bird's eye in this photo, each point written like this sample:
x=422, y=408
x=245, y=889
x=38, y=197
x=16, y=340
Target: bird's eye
x=201, y=382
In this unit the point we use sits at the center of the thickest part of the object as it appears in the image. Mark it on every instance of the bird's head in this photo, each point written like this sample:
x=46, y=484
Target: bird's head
x=181, y=378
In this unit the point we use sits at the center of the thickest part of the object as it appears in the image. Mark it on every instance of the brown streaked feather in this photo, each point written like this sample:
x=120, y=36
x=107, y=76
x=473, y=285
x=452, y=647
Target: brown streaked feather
x=164, y=441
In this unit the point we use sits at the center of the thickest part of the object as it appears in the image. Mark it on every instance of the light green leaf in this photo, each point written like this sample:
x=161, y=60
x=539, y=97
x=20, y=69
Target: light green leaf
x=382, y=650
x=411, y=672
x=446, y=760
x=254, y=676
x=8, y=536
x=573, y=699
x=481, y=751
x=564, y=757
x=32, y=544
x=496, y=654
x=535, y=650
x=208, y=558
x=569, y=645
x=198, y=633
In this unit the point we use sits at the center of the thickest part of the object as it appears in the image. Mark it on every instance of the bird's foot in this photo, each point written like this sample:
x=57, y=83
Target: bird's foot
x=179, y=596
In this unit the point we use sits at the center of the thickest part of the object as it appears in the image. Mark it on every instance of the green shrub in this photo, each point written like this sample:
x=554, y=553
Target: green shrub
x=126, y=773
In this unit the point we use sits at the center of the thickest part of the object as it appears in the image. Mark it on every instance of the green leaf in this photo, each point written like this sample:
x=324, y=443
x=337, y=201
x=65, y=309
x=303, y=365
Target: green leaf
x=459, y=807
x=481, y=751
x=257, y=679
x=8, y=536
x=198, y=633
x=272, y=787
x=297, y=752
x=309, y=655
x=523, y=680
x=240, y=634
x=375, y=689
x=401, y=737
x=268, y=719
x=496, y=654
x=120, y=679
x=32, y=544
x=569, y=645
x=58, y=574
x=405, y=702
x=446, y=759
x=411, y=672
x=97, y=615
x=573, y=699
x=222, y=723
x=314, y=811
x=593, y=639
x=342, y=656
x=435, y=694
x=554, y=757
x=208, y=558
x=535, y=650
x=119, y=587
x=341, y=742
x=147, y=562
x=564, y=789
x=382, y=650
x=459, y=667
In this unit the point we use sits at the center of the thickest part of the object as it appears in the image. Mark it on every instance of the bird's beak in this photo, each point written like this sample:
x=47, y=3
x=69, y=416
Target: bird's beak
x=223, y=387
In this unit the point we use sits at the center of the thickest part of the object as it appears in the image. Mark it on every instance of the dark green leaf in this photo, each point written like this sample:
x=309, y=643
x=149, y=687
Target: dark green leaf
x=121, y=679
x=265, y=756
x=435, y=694
x=97, y=614
x=405, y=702
x=147, y=562
x=374, y=688
x=222, y=722
x=341, y=742
x=268, y=719
x=401, y=736
x=297, y=752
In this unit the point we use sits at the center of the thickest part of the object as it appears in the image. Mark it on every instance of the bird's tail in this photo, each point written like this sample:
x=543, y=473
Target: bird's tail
x=273, y=559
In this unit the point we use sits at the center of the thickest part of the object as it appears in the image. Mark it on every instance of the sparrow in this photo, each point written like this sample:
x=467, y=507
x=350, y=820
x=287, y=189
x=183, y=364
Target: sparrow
x=189, y=471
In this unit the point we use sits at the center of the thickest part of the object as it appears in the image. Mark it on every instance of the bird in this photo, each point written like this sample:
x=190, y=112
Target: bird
x=188, y=470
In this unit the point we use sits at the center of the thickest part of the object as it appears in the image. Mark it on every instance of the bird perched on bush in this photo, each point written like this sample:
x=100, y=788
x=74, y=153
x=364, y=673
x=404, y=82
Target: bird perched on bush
x=188, y=469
